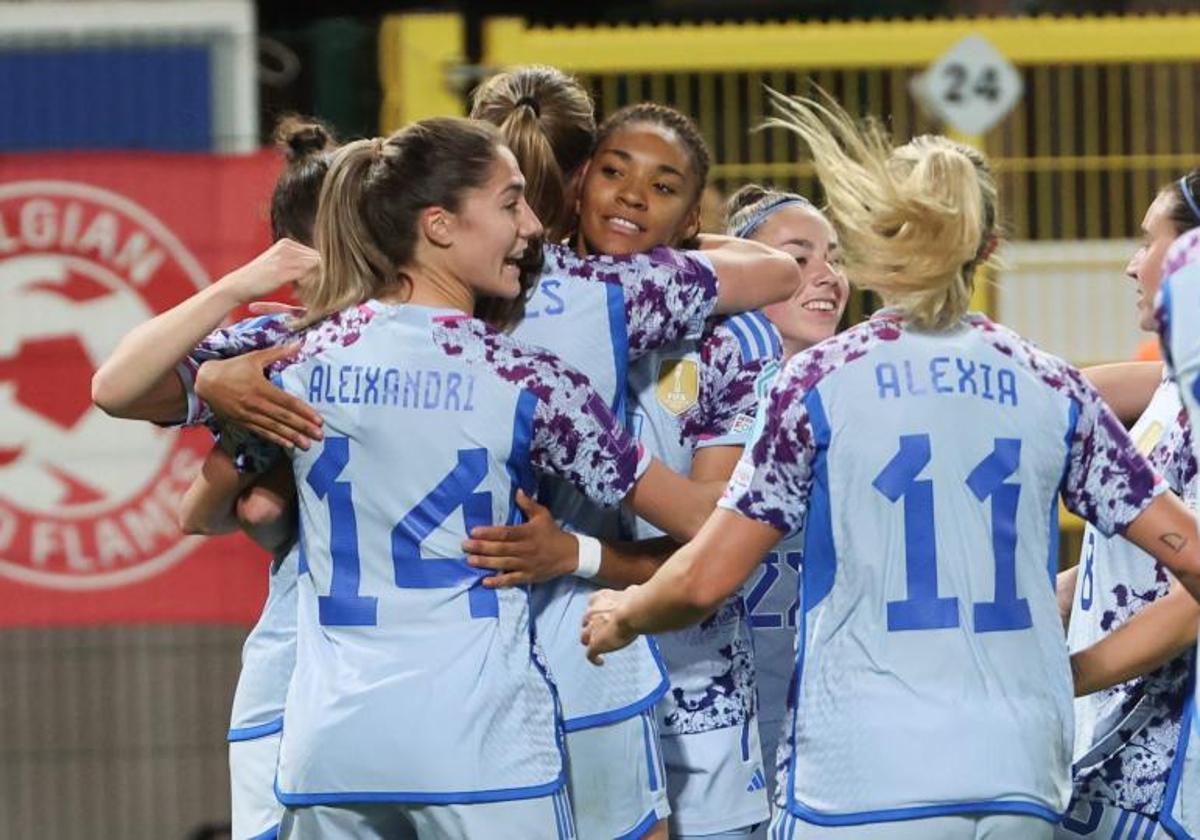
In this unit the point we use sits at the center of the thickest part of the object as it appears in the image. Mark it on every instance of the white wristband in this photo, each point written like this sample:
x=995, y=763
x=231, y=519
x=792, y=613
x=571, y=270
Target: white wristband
x=589, y=556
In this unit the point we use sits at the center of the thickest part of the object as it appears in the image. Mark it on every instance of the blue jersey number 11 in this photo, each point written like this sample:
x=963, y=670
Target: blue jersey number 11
x=924, y=608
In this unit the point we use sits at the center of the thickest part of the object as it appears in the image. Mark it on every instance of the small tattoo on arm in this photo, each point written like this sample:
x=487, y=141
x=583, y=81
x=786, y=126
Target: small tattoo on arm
x=1173, y=541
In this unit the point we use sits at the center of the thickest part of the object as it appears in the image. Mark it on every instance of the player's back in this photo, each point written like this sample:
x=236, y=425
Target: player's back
x=932, y=667
x=413, y=682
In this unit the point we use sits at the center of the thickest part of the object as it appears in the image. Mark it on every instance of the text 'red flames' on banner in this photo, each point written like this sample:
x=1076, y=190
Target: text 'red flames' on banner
x=92, y=245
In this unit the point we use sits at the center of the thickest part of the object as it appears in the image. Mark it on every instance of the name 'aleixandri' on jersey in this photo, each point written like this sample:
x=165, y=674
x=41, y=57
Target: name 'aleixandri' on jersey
x=595, y=313
x=933, y=536
x=391, y=618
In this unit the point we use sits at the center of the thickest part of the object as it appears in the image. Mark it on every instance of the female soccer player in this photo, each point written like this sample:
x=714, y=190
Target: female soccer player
x=692, y=406
x=791, y=223
x=221, y=499
x=418, y=706
x=693, y=403
x=922, y=452
x=597, y=312
x=1130, y=734
x=615, y=769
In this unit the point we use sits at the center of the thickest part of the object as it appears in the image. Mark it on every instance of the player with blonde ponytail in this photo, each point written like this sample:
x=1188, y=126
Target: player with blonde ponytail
x=916, y=222
x=923, y=453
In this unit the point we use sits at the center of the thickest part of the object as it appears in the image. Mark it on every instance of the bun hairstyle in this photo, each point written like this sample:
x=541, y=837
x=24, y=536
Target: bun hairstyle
x=915, y=222
x=548, y=121
x=1185, y=202
x=372, y=198
x=753, y=204
x=307, y=145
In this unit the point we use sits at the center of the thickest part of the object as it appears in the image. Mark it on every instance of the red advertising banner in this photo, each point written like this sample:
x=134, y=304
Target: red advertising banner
x=90, y=246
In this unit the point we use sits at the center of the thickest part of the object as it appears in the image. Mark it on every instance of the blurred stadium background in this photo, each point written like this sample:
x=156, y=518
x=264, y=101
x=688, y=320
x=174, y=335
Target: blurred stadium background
x=132, y=172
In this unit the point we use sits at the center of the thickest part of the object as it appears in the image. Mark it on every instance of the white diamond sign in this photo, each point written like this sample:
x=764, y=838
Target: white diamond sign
x=971, y=87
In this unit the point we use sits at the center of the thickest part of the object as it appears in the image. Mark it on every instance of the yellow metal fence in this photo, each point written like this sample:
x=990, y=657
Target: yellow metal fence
x=1108, y=114
x=1107, y=117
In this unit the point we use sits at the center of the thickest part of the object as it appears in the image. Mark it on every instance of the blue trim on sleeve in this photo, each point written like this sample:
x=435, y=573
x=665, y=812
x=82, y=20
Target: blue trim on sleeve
x=464, y=797
x=981, y=808
x=756, y=336
x=742, y=339
x=271, y=833
x=618, y=331
x=1175, y=777
x=249, y=733
x=642, y=828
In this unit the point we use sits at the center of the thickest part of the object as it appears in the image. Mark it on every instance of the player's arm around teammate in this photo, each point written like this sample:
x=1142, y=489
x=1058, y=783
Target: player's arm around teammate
x=813, y=466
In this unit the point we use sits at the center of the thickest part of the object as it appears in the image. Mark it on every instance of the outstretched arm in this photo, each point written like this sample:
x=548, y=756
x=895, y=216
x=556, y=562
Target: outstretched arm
x=750, y=275
x=690, y=586
x=139, y=382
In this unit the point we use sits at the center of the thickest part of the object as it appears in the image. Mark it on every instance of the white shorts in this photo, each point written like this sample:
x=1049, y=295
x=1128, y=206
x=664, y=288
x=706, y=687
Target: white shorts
x=784, y=826
x=616, y=777
x=715, y=780
x=255, y=810
x=1107, y=822
x=543, y=818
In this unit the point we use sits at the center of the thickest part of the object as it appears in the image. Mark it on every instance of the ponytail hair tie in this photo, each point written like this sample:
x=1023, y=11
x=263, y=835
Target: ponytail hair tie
x=1189, y=198
x=532, y=103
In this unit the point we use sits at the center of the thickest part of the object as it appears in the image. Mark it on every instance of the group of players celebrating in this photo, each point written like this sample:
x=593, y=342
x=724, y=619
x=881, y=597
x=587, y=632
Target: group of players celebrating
x=525, y=402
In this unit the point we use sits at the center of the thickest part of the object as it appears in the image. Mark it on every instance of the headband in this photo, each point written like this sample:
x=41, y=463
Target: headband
x=765, y=212
x=1189, y=198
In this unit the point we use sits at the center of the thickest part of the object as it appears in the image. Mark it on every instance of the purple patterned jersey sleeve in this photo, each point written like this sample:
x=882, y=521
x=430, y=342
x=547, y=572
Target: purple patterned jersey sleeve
x=1175, y=460
x=727, y=390
x=1108, y=482
x=773, y=481
x=575, y=434
x=249, y=452
x=243, y=337
x=668, y=294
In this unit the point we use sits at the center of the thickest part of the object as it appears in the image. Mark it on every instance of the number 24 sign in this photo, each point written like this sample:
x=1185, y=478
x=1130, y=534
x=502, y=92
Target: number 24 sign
x=971, y=87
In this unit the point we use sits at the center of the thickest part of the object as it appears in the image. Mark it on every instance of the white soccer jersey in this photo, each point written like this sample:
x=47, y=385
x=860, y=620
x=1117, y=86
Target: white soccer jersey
x=413, y=682
x=1127, y=736
x=596, y=313
x=268, y=655
x=685, y=397
x=932, y=672
x=599, y=313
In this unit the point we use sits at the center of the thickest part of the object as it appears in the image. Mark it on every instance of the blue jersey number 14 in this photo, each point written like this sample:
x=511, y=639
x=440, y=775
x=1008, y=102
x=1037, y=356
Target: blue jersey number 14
x=343, y=606
x=924, y=608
